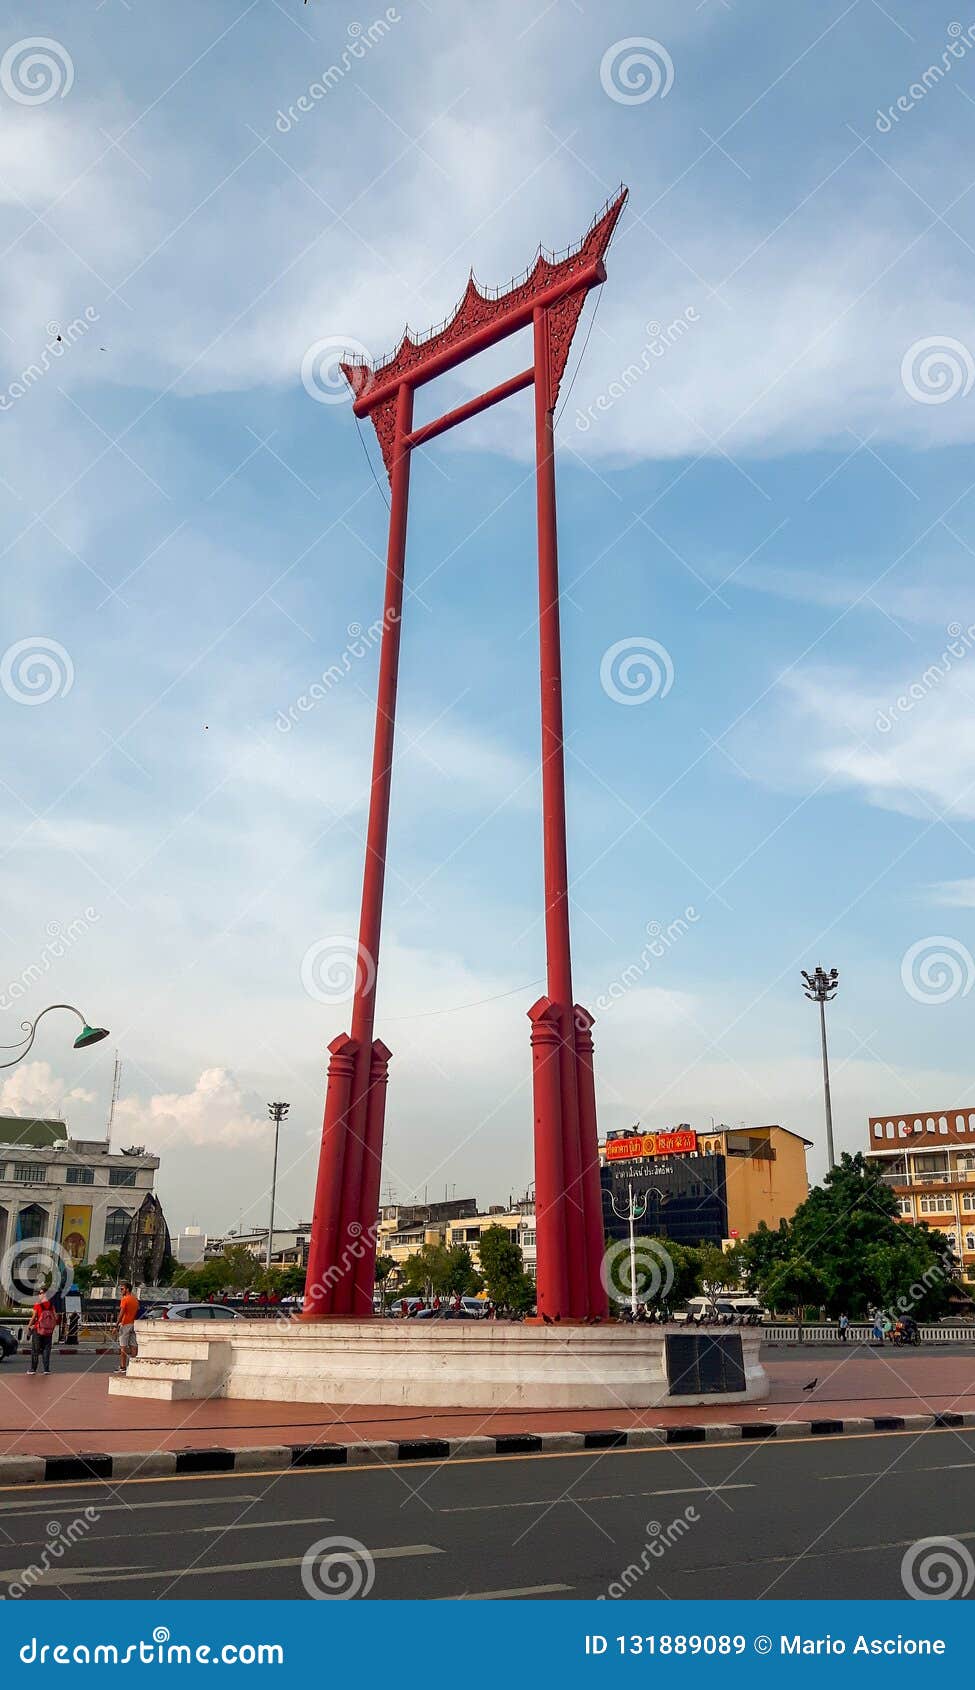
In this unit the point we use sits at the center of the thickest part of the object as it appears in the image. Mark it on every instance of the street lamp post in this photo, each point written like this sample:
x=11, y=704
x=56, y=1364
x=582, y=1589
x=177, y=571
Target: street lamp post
x=87, y=1036
x=277, y=1112
x=636, y=1208
x=821, y=988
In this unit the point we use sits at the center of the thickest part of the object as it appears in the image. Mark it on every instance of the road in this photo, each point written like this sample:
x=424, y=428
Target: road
x=825, y=1518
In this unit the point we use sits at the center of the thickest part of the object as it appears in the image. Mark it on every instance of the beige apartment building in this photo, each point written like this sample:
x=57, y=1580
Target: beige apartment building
x=928, y=1159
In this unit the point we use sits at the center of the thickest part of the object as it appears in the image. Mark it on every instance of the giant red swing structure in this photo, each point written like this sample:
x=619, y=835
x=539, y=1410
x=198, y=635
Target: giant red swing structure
x=569, y=1220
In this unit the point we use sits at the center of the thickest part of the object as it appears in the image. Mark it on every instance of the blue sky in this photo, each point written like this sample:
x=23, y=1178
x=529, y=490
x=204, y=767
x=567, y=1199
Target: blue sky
x=781, y=495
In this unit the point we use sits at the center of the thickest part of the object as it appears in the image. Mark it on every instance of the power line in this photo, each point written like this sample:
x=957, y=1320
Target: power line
x=582, y=354
x=369, y=461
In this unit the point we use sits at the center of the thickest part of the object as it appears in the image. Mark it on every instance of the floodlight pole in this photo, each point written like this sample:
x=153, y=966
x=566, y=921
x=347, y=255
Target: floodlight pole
x=822, y=988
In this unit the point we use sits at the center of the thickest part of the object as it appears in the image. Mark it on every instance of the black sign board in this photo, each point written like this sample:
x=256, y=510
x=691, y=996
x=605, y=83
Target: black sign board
x=699, y=1364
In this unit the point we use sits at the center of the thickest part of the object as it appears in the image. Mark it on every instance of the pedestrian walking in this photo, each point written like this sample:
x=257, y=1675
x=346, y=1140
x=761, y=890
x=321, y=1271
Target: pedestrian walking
x=41, y=1329
x=128, y=1309
x=844, y=1328
x=878, y=1327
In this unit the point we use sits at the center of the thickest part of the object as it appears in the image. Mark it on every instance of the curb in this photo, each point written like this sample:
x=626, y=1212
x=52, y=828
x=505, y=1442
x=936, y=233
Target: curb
x=164, y=1463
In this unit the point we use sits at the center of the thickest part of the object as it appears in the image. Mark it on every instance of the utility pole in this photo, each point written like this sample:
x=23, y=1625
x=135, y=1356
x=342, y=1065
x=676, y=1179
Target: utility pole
x=822, y=988
x=277, y=1112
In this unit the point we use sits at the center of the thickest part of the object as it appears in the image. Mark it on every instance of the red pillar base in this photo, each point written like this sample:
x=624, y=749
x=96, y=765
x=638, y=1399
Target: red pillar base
x=570, y=1258
x=342, y=1254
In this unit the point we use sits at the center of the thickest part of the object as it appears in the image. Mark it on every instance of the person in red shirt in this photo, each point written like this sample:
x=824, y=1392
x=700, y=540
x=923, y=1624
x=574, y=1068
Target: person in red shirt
x=41, y=1328
x=127, y=1311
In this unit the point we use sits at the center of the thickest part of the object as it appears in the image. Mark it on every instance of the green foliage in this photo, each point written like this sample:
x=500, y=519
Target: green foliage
x=107, y=1267
x=502, y=1267
x=846, y=1250
x=435, y=1271
x=384, y=1267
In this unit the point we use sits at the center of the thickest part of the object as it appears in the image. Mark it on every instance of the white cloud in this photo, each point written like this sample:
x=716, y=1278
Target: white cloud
x=217, y=1111
x=826, y=731
x=34, y=1089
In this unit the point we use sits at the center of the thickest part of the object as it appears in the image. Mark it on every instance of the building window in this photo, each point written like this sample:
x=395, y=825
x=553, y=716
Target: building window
x=970, y=1241
x=906, y=1206
x=937, y=1206
x=80, y=1176
x=121, y=1176
x=32, y=1222
x=116, y=1226
x=29, y=1173
x=968, y=1199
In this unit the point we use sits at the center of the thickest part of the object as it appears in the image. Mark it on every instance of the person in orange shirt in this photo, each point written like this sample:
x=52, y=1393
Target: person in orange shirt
x=128, y=1309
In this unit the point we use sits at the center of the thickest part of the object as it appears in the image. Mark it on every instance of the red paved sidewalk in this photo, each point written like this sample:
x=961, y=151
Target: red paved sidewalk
x=73, y=1413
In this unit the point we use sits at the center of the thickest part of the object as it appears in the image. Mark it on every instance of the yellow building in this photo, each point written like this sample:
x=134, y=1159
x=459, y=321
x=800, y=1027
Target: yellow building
x=707, y=1187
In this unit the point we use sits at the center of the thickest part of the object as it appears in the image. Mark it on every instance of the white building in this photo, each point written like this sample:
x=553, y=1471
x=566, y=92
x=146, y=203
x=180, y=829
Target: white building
x=74, y=1191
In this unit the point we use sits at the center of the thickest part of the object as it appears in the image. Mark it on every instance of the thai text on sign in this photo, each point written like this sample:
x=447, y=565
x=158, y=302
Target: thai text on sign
x=650, y=1144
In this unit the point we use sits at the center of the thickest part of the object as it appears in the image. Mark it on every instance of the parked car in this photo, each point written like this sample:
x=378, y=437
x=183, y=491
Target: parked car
x=8, y=1343
x=192, y=1311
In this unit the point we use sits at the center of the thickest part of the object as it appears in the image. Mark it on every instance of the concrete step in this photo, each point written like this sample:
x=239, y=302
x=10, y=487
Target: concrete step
x=160, y=1389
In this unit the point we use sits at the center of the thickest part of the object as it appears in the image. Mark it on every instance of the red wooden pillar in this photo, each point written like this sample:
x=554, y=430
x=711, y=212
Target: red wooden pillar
x=354, y=1214
x=322, y=1252
x=551, y=1273
x=364, y=1275
x=571, y=1240
x=592, y=1191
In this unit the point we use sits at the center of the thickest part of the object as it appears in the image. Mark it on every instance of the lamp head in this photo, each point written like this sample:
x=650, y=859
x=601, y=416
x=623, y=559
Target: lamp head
x=90, y=1036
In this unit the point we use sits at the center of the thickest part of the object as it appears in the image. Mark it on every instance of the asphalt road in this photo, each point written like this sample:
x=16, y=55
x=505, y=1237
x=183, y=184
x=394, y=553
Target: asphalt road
x=825, y=1518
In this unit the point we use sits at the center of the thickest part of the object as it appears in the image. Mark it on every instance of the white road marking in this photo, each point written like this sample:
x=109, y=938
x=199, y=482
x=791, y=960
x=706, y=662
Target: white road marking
x=603, y=1496
x=506, y=1595
x=62, y=1576
x=56, y=1504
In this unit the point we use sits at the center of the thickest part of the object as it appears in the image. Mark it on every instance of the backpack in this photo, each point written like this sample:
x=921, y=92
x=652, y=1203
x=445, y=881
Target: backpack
x=45, y=1323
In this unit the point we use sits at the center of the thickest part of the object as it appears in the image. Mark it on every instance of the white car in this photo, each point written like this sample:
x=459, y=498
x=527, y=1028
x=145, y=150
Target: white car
x=193, y=1311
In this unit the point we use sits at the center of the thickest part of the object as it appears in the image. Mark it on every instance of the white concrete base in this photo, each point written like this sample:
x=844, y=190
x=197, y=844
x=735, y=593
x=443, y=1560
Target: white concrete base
x=428, y=1364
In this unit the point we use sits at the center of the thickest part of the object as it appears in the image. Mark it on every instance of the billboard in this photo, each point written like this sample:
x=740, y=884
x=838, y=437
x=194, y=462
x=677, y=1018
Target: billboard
x=76, y=1230
x=650, y=1144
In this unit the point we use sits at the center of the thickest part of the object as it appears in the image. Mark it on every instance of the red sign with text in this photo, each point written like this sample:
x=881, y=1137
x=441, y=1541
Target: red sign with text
x=650, y=1144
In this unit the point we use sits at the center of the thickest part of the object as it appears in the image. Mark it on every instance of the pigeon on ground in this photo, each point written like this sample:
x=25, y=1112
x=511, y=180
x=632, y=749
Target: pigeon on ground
x=812, y=1384
x=547, y=1319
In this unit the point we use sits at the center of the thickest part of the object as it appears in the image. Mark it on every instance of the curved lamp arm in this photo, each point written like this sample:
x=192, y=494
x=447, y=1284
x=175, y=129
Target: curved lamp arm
x=87, y=1036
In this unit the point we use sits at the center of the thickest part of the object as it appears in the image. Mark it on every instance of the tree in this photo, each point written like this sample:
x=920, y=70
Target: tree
x=107, y=1267
x=502, y=1267
x=847, y=1250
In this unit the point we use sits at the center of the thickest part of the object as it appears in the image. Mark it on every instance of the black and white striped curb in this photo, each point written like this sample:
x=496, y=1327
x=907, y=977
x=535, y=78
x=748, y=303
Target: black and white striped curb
x=161, y=1463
